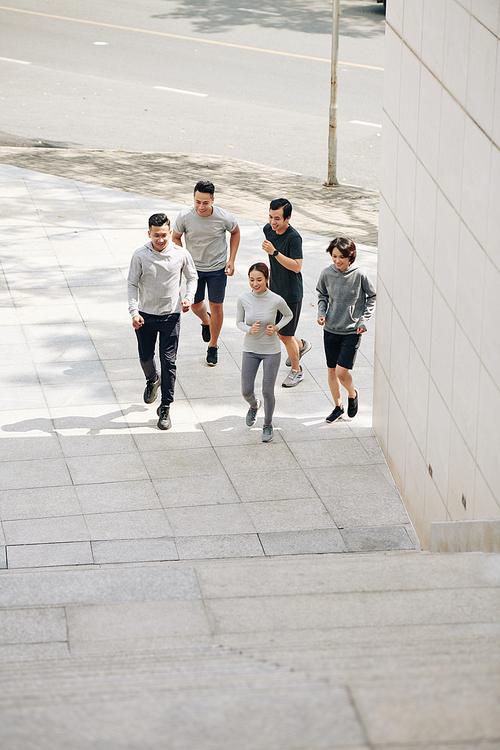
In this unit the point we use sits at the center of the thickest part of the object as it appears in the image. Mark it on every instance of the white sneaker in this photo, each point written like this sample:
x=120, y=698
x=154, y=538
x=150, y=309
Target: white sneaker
x=306, y=347
x=293, y=378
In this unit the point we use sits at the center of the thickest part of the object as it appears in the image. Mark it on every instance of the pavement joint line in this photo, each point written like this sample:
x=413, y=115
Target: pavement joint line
x=185, y=38
x=327, y=211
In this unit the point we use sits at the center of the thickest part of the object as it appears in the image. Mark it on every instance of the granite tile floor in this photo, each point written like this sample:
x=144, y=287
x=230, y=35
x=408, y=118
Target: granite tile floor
x=196, y=589
x=87, y=478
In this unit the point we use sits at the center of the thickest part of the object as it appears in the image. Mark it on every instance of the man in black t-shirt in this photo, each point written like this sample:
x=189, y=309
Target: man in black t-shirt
x=283, y=244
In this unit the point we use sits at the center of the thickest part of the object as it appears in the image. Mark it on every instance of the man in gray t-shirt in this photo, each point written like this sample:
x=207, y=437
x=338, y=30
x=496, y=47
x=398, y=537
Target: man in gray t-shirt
x=204, y=227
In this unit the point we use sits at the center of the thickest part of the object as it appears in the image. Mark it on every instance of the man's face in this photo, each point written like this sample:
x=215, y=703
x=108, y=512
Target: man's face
x=277, y=222
x=203, y=203
x=160, y=237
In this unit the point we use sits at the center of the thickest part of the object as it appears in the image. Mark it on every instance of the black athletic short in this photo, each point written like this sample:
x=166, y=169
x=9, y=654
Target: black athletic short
x=341, y=350
x=291, y=327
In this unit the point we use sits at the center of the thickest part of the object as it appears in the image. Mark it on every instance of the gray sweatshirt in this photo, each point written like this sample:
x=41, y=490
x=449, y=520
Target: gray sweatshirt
x=252, y=307
x=345, y=298
x=154, y=279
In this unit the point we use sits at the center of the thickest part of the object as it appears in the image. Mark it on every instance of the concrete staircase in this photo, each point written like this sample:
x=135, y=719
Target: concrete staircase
x=300, y=653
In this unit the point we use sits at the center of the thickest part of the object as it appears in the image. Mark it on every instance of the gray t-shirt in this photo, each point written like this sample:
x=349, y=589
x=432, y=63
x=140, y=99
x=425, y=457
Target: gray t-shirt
x=206, y=236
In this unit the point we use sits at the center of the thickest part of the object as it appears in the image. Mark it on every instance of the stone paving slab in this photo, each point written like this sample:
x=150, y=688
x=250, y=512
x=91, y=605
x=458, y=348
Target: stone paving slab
x=171, y=176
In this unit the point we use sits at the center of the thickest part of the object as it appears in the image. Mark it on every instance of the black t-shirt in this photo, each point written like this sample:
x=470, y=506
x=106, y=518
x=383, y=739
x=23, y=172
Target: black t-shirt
x=287, y=284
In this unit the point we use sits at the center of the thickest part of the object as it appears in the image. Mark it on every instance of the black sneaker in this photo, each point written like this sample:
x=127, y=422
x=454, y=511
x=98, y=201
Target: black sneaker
x=205, y=331
x=212, y=357
x=151, y=390
x=336, y=414
x=163, y=412
x=352, y=406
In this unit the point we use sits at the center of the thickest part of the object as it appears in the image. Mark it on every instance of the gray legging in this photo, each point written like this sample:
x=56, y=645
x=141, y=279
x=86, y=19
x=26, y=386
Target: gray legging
x=249, y=365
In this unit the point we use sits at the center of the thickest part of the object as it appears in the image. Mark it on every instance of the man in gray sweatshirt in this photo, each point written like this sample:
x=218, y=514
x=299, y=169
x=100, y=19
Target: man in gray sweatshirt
x=346, y=299
x=155, y=303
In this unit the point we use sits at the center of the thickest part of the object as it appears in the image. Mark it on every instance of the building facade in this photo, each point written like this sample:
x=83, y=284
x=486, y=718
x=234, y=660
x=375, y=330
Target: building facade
x=437, y=364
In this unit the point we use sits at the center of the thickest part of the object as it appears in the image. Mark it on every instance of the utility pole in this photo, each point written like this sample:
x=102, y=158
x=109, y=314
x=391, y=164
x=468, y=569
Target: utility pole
x=332, y=132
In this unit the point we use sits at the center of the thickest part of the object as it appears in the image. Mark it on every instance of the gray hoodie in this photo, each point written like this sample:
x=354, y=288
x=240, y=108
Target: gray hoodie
x=345, y=298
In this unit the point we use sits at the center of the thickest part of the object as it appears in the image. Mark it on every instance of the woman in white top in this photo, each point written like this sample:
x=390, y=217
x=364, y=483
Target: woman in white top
x=256, y=315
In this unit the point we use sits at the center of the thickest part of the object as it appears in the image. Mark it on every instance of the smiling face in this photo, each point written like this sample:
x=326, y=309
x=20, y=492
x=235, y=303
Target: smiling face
x=203, y=203
x=277, y=222
x=338, y=259
x=257, y=281
x=160, y=237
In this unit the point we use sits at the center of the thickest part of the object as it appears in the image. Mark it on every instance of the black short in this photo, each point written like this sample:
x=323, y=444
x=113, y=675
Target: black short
x=341, y=350
x=291, y=327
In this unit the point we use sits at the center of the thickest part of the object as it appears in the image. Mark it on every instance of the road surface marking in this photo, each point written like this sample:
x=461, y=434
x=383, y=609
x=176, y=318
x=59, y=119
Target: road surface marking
x=196, y=39
x=20, y=62
x=262, y=12
x=179, y=91
x=370, y=124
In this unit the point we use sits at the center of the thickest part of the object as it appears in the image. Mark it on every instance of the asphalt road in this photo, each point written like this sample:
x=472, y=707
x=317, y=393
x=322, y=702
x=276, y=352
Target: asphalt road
x=244, y=78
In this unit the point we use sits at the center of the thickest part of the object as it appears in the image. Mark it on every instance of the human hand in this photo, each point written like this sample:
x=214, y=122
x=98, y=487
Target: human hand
x=185, y=305
x=137, y=321
x=268, y=247
x=229, y=269
x=321, y=320
x=271, y=330
x=255, y=328
x=361, y=330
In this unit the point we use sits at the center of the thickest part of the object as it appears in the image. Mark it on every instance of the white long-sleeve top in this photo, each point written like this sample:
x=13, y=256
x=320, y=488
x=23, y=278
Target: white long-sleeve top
x=154, y=279
x=252, y=307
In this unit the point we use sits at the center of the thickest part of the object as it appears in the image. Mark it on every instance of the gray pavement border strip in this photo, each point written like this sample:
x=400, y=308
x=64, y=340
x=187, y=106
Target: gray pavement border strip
x=242, y=187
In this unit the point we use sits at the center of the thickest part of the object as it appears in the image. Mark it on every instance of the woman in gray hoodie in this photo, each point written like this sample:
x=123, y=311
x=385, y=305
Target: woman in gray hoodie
x=346, y=299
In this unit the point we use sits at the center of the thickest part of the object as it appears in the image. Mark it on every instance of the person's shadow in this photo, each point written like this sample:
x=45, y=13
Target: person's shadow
x=94, y=425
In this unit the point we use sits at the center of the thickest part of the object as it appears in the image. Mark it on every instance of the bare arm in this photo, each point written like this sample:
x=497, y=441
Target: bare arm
x=234, y=243
x=292, y=264
x=176, y=237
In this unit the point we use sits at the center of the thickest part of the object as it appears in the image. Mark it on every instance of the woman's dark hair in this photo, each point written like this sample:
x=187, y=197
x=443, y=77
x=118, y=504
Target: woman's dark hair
x=346, y=248
x=262, y=268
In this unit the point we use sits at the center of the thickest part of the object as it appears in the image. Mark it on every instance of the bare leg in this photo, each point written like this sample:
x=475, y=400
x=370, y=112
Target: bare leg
x=217, y=311
x=345, y=378
x=200, y=310
x=292, y=346
x=334, y=386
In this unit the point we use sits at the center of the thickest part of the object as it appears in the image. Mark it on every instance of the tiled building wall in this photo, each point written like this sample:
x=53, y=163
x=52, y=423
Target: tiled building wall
x=437, y=367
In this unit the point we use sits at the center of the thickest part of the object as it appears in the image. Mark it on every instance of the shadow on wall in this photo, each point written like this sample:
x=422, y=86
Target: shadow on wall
x=360, y=19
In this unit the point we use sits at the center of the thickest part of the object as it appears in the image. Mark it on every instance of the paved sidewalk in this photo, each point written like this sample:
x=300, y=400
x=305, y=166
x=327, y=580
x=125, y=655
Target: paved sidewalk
x=244, y=187
x=197, y=589
x=88, y=478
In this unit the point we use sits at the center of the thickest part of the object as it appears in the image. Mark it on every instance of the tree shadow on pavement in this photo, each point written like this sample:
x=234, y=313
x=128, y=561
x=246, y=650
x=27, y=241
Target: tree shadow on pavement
x=306, y=16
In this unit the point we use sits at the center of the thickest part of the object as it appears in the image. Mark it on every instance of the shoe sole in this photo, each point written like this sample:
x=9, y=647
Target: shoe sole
x=301, y=354
x=292, y=385
x=331, y=421
x=268, y=440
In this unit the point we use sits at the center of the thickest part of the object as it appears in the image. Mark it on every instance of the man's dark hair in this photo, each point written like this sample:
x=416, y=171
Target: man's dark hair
x=204, y=186
x=283, y=203
x=158, y=220
x=346, y=248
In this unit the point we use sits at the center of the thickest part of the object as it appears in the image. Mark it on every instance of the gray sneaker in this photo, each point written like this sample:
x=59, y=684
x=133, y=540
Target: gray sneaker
x=306, y=347
x=267, y=433
x=252, y=414
x=293, y=378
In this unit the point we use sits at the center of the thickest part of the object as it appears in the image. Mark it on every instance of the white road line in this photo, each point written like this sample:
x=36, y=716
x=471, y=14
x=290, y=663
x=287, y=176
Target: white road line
x=262, y=12
x=370, y=124
x=20, y=62
x=179, y=91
